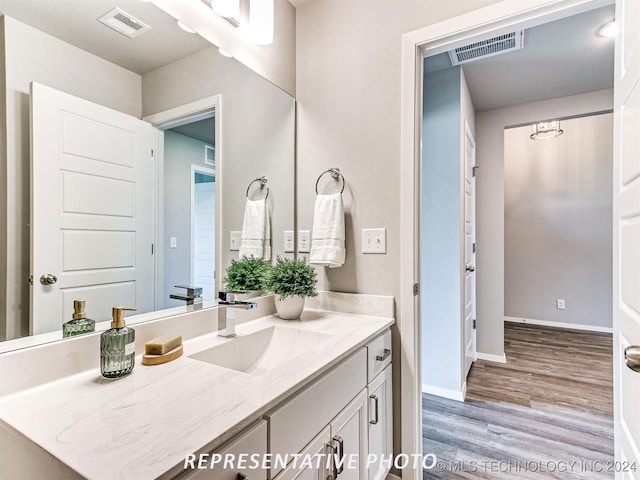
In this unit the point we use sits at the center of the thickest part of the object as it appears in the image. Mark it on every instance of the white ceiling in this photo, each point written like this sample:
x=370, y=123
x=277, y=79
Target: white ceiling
x=75, y=22
x=561, y=58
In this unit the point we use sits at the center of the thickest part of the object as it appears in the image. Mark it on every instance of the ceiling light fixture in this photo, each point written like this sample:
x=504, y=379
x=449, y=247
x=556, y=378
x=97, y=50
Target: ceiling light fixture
x=546, y=130
x=226, y=8
x=186, y=28
x=609, y=29
x=261, y=21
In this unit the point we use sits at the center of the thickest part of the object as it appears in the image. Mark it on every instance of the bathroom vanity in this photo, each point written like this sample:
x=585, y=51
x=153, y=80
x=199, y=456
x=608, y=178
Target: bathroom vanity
x=319, y=384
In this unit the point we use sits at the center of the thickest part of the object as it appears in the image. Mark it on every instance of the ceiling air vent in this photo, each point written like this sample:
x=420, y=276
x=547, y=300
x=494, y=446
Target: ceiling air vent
x=124, y=23
x=487, y=48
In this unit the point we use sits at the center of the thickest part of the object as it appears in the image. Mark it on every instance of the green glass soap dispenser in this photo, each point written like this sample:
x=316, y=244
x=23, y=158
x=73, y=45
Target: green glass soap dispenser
x=79, y=323
x=117, y=346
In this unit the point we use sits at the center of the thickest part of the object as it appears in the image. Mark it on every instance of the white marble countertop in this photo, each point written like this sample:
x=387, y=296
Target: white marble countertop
x=142, y=426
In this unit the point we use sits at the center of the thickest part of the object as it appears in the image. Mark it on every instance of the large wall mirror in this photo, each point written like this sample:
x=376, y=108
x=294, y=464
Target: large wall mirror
x=211, y=126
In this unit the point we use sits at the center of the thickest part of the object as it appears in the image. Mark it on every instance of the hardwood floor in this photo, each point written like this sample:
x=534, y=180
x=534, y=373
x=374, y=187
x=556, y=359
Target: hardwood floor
x=546, y=413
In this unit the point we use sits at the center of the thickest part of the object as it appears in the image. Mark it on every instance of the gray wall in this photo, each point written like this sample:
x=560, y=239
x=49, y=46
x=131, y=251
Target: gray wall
x=490, y=126
x=558, y=223
x=180, y=152
x=30, y=55
x=258, y=128
x=440, y=230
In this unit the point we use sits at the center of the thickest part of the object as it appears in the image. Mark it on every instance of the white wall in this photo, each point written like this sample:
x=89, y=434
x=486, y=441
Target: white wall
x=557, y=223
x=30, y=55
x=348, y=63
x=490, y=201
x=258, y=130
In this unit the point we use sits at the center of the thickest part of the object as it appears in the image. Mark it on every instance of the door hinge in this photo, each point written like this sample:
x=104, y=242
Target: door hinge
x=474, y=323
x=30, y=279
x=474, y=247
x=152, y=249
x=152, y=155
x=473, y=170
x=416, y=289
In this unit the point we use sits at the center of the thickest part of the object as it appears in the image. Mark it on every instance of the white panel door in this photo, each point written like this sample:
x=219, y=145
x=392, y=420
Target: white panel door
x=92, y=196
x=627, y=241
x=203, y=233
x=469, y=249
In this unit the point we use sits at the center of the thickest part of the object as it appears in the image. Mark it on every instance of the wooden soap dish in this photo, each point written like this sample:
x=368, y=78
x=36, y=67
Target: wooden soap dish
x=148, y=359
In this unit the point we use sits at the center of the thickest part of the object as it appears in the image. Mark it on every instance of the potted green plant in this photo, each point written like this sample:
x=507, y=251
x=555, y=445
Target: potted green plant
x=291, y=281
x=246, y=275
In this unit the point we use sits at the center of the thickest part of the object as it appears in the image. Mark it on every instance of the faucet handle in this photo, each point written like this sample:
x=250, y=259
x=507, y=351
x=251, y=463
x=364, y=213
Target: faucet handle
x=191, y=290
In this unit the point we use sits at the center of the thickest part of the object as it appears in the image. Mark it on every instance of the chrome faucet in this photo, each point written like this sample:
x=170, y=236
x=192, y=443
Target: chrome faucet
x=193, y=296
x=227, y=322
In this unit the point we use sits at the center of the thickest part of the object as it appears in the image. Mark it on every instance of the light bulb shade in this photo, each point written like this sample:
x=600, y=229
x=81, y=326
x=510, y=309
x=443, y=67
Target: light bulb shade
x=226, y=8
x=261, y=21
x=546, y=130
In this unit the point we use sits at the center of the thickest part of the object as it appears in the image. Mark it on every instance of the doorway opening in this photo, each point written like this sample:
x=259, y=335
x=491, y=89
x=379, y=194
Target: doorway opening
x=453, y=228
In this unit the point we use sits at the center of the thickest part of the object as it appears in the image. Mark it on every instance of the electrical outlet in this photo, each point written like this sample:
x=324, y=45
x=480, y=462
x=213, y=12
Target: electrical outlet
x=560, y=304
x=234, y=241
x=289, y=246
x=304, y=241
x=173, y=242
x=374, y=240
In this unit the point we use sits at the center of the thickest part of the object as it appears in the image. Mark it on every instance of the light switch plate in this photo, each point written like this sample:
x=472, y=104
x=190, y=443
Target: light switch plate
x=173, y=242
x=560, y=305
x=234, y=241
x=374, y=240
x=289, y=246
x=304, y=241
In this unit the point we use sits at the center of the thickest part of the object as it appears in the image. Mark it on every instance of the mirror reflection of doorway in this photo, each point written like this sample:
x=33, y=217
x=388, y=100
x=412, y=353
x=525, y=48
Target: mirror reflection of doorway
x=189, y=209
x=203, y=231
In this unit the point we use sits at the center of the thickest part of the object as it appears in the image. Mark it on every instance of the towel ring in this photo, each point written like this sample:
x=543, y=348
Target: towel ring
x=335, y=174
x=263, y=183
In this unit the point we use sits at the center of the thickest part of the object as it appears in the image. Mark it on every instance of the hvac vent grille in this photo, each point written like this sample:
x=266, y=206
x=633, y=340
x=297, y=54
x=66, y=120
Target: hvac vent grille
x=487, y=48
x=124, y=23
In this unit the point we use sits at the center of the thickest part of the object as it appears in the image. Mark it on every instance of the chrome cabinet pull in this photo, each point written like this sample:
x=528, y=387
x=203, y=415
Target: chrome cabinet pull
x=375, y=399
x=338, y=439
x=384, y=356
x=334, y=452
x=632, y=358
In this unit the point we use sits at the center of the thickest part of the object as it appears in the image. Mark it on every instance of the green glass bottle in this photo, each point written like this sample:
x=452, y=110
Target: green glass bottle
x=117, y=346
x=79, y=324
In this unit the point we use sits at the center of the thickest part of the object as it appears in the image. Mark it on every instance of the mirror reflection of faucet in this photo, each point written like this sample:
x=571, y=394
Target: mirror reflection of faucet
x=227, y=302
x=193, y=296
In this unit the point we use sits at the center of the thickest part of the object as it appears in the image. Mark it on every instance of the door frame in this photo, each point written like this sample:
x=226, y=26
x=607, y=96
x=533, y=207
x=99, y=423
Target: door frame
x=161, y=121
x=212, y=173
x=433, y=39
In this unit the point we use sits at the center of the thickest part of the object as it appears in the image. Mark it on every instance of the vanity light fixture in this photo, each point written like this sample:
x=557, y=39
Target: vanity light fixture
x=546, y=130
x=261, y=21
x=609, y=29
x=226, y=8
x=185, y=27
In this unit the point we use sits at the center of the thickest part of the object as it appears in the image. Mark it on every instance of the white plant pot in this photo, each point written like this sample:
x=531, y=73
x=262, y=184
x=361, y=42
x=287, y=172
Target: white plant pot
x=289, y=308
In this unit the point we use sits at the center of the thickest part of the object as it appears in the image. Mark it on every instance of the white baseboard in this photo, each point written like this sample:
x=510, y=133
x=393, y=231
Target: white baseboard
x=490, y=357
x=445, y=392
x=545, y=323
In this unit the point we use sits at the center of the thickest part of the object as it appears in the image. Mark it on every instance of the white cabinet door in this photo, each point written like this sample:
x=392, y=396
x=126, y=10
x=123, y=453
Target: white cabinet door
x=92, y=193
x=252, y=441
x=318, y=448
x=380, y=422
x=349, y=440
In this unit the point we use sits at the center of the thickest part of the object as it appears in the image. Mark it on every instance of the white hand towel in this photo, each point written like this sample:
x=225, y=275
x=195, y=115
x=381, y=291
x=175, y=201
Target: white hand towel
x=327, y=239
x=256, y=231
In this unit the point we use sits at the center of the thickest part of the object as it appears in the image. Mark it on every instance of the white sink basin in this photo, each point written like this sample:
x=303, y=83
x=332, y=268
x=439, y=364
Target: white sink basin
x=262, y=350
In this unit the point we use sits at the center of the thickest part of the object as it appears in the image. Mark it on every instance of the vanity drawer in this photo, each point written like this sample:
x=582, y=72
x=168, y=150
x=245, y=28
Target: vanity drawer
x=295, y=423
x=251, y=441
x=378, y=354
